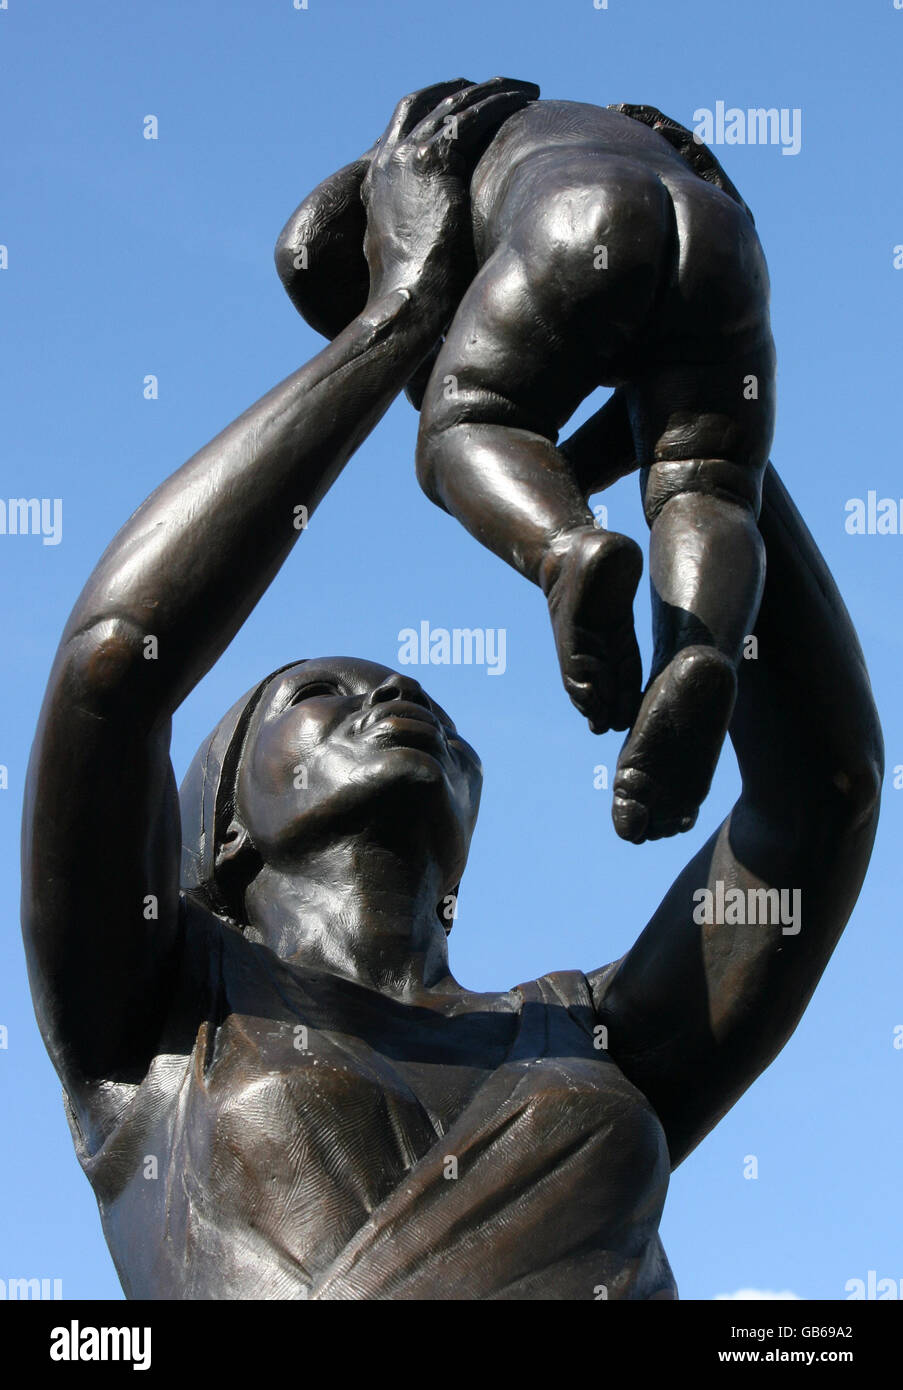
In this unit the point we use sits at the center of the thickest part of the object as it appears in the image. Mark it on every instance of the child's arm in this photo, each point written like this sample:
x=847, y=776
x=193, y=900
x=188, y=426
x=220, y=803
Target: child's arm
x=320, y=252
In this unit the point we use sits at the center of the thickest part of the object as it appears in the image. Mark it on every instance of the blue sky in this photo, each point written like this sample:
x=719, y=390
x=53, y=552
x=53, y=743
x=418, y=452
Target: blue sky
x=129, y=257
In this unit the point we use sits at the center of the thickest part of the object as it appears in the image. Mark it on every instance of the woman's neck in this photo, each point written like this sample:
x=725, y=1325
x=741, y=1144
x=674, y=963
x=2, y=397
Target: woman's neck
x=359, y=910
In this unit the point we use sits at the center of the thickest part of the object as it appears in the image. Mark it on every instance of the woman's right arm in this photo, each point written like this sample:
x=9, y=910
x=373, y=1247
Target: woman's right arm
x=101, y=832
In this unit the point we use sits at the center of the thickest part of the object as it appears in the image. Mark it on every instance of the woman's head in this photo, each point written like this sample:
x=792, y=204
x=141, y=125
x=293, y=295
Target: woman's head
x=317, y=752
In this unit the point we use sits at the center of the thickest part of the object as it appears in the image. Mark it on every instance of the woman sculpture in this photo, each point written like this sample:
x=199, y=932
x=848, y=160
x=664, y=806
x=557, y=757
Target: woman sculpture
x=275, y=1085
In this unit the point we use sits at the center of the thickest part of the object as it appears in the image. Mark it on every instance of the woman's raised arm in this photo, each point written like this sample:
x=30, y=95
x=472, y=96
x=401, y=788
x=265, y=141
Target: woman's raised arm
x=719, y=979
x=101, y=833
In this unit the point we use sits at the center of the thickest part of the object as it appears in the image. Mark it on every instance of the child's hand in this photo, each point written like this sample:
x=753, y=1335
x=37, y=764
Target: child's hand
x=416, y=190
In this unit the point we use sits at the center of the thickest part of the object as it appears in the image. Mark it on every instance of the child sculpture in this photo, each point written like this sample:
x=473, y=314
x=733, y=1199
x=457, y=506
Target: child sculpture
x=610, y=250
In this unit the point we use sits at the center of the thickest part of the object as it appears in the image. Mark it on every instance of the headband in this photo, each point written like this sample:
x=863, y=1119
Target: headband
x=207, y=799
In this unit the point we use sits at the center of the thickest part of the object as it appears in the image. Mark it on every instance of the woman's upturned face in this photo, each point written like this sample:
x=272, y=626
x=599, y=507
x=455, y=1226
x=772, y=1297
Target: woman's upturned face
x=336, y=745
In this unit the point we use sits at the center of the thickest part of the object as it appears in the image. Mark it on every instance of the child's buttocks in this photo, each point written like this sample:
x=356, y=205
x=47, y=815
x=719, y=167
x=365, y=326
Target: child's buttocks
x=683, y=263
x=561, y=133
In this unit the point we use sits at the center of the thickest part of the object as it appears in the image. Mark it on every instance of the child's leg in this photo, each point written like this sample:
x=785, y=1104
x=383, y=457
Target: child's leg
x=708, y=445
x=533, y=337
x=523, y=505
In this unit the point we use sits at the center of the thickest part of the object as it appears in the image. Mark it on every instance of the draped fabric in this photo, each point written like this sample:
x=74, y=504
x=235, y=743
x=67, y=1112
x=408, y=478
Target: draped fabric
x=245, y=1166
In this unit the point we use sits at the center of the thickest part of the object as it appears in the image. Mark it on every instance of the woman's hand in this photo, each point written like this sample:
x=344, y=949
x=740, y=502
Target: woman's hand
x=416, y=191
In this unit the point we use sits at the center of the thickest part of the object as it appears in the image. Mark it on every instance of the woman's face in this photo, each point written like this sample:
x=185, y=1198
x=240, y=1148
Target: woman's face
x=338, y=744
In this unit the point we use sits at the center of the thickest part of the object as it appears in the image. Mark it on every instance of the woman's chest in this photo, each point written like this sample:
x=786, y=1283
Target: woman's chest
x=297, y=1130
x=399, y=1077
x=314, y=1126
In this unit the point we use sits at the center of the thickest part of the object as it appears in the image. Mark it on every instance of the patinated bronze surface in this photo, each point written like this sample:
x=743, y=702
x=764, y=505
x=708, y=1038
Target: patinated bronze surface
x=248, y=981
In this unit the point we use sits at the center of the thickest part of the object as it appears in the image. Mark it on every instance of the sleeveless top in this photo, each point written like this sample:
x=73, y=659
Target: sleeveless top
x=271, y=1155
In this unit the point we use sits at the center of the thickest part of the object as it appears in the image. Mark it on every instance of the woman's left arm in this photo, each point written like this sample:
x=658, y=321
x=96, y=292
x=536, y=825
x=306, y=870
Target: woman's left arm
x=719, y=979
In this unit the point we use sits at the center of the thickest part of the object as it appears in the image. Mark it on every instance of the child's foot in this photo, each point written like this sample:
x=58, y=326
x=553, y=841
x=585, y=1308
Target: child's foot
x=590, y=588
x=668, y=761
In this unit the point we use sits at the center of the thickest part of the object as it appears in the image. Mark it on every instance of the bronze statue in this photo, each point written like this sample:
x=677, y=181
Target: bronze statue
x=275, y=1084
